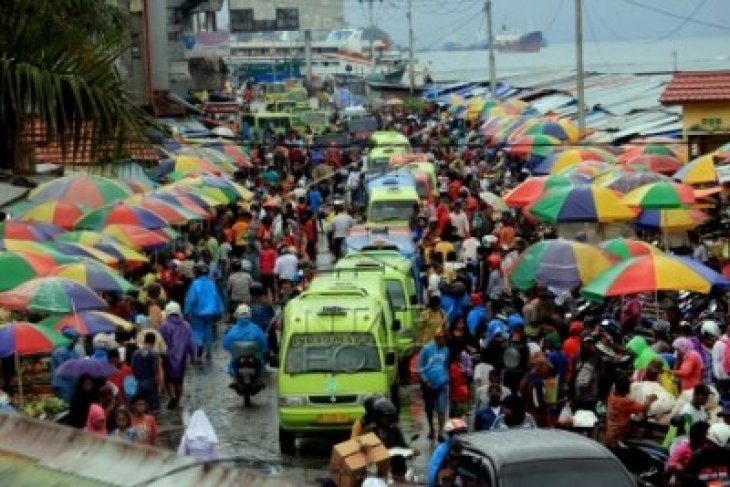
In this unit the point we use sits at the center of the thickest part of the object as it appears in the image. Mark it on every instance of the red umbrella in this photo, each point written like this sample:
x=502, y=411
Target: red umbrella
x=526, y=192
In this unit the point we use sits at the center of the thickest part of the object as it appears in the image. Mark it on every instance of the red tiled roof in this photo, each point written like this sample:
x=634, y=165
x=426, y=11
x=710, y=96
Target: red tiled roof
x=78, y=150
x=697, y=86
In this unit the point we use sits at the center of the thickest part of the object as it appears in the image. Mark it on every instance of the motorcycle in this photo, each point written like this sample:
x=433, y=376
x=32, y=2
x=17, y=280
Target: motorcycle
x=247, y=368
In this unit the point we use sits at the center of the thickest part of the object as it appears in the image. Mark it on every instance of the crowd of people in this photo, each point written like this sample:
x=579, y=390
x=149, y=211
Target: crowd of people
x=489, y=355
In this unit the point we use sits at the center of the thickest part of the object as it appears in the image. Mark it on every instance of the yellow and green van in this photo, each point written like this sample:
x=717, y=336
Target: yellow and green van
x=378, y=159
x=389, y=138
x=391, y=205
x=336, y=348
x=317, y=120
x=400, y=285
x=259, y=121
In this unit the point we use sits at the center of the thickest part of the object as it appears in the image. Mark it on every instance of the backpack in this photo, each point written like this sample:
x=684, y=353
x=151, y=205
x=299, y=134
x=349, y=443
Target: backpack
x=726, y=356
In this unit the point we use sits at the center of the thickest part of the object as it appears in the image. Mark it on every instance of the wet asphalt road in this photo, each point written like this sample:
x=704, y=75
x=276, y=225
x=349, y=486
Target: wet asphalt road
x=249, y=435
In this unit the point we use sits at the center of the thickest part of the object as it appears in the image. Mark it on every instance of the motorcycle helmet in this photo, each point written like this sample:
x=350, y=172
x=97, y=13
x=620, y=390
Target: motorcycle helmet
x=243, y=311
x=384, y=408
x=719, y=434
x=246, y=265
x=455, y=426
x=710, y=328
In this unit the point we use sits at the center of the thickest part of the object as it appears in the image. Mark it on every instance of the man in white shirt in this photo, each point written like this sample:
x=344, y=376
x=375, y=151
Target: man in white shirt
x=286, y=266
x=469, y=250
x=459, y=221
x=722, y=374
x=342, y=223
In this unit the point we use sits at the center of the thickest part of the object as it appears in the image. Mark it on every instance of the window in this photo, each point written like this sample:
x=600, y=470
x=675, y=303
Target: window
x=566, y=473
x=287, y=18
x=396, y=294
x=384, y=211
x=332, y=352
x=241, y=21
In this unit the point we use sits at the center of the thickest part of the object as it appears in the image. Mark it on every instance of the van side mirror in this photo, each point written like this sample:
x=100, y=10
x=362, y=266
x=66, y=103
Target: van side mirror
x=414, y=300
x=396, y=325
x=390, y=358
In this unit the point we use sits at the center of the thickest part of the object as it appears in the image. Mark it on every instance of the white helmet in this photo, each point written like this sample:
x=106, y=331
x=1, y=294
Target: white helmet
x=489, y=240
x=243, y=311
x=246, y=265
x=710, y=328
x=172, y=308
x=719, y=434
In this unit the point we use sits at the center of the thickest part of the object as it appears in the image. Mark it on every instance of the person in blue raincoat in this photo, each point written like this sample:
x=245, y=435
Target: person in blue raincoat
x=204, y=307
x=64, y=387
x=454, y=304
x=477, y=314
x=245, y=330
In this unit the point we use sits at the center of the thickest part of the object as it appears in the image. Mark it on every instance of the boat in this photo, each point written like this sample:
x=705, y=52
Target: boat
x=512, y=41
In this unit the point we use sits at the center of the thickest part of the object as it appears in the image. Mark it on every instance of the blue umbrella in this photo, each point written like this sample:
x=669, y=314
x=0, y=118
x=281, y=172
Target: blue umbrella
x=85, y=366
x=716, y=279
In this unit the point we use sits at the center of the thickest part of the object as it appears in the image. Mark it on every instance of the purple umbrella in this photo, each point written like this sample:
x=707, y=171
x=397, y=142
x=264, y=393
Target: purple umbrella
x=85, y=366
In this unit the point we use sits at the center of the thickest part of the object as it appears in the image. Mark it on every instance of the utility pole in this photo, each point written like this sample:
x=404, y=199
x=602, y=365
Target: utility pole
x=492, y=62
x=580, y=75
x=371, y=24
x=411, y=58
x=674, y=57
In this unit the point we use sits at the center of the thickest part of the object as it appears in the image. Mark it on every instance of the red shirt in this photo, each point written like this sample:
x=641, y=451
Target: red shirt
x=118, y=379
x=454, y=187
x=267, y=260
x=310, y=230
x=442, y=215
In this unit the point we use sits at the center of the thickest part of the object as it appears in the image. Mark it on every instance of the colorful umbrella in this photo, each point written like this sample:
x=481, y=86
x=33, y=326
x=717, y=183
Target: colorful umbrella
x=564, y=159
x=670, y=219
x=96, y=276
x=194, y=164
x=52, y=295
x=24, y=230
x=528, y=146
x=646, y=150
x=626, y=248
x=84, y=252
x=81, y=189
x=717, y=280
x=23, y=338
x=648, y=273
x=85, y=237
x=230, y=189
x=88, y=322
x=184, y=201
x=170, y=212
x=120, y=213
x=19, y=267
x=662, y=164
x=662, y=194
x=559, y=263
x=698, y=171
x=624, y=181
x=136, y=237
x=233, y=151
x=194, y=194
x=581, y=204
x=494, y=201
x=85, y=366
x=566, y=132
x=525, y=193
x=55, y=212
x=220, y=161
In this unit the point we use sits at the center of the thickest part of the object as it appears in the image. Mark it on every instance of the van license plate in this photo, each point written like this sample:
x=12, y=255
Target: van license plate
x=333, y=418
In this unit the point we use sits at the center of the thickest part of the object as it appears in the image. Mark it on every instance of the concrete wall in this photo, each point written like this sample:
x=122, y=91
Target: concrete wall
x=707, y=116
x=44, y=446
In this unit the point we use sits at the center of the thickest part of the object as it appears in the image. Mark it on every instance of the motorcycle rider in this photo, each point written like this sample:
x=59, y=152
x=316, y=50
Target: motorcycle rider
x=245, y=330
x=385, y=424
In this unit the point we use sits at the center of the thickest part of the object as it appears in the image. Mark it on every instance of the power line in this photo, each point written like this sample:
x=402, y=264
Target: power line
x=555, y=16
x=606, y=66
x=669, y=13
x=684, y=22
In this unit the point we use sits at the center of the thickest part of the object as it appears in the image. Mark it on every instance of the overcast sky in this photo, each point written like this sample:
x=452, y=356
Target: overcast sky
x=437, y=21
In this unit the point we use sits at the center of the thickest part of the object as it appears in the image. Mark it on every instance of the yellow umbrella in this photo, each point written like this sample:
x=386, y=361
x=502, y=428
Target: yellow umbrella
x=698, y=171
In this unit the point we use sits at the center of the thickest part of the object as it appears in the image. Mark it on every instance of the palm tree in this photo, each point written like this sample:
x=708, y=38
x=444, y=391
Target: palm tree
x=57, y=68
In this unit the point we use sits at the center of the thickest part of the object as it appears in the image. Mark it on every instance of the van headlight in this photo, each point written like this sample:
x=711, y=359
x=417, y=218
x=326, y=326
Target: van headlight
x=292, y=400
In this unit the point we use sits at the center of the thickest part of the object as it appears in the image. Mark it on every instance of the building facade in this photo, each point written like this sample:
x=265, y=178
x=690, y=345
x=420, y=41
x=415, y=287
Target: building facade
x=255, y=16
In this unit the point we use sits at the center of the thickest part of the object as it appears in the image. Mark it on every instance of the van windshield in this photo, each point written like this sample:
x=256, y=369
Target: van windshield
x=384, y=211
x=314, y=353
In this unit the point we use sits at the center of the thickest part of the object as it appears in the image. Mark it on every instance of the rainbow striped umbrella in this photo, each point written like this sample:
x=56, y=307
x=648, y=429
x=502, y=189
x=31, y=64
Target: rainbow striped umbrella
x=84, y=252
x=626, y=248
x=120, y=213
x=666, y=165
x=19, y=267
x=170, y=212
x=96, y=276
x=194, y=164
x=81, y=189
x=525, y=193
x=581, y=204
x=698, y=171
x=23, y=338
x=662, y=194
x=559, y=263
x=136, y=237
x=88, y=322
x=53, y=295
x=23, y=230
x=564, y=159
x=233, y=151
x=567, y=132
x=528, y=146
x=635, y=151
x=180, y=199
x=623, y=181
x=670, y=219
x=648, y=273
x=57, y=213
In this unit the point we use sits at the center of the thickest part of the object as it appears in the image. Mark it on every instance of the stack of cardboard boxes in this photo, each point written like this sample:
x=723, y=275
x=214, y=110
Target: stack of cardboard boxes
x=351, y=459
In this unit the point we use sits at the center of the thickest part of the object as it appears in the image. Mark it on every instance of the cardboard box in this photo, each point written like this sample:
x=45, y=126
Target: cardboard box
x=350, y=460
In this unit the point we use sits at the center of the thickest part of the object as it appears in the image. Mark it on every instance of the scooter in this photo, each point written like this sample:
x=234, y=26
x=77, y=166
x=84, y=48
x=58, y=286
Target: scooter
x=248, y=370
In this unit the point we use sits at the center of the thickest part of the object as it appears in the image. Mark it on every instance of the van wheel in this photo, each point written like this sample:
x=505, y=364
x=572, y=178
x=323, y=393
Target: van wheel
x=287, y=442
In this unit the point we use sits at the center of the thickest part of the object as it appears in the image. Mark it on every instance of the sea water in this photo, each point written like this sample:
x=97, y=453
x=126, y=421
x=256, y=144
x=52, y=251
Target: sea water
x=691, y=54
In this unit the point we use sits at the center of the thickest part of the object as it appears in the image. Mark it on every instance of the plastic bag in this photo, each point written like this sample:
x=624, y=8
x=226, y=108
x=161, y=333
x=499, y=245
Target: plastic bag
x=566, y=416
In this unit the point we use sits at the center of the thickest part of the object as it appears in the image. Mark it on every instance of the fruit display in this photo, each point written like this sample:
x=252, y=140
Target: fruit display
x=43, y=408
